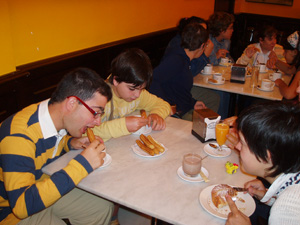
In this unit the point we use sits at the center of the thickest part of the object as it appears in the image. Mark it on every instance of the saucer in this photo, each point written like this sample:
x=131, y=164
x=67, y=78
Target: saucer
x=211, y=82
x=215, y=152
x=202, y=72
x=198, y=178
x=266, y=90
x=266, y=70
x=107, y=161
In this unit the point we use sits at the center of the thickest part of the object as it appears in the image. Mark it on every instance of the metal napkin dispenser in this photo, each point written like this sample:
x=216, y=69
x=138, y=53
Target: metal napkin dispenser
x=238, y=73
x=204, y=123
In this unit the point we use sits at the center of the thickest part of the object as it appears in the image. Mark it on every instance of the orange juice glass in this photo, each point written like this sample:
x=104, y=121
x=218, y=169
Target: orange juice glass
x=222, y=130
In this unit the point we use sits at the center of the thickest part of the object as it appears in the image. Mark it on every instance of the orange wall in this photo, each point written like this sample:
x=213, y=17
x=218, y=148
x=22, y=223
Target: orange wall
x=42, y=29
x=241, y=6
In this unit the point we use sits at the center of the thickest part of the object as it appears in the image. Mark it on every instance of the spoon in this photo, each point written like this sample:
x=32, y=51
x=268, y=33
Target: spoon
x=213, y=145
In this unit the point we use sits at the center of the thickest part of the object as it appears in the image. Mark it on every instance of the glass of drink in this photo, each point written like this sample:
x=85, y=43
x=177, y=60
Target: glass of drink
x=254, y=76
x=222, y=130
x=191, y=164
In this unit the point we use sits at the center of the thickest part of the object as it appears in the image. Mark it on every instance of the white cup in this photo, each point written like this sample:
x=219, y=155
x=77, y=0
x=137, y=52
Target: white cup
x=219, y=78
x=267, y=84
x=275, y=76
x=262, y=67
x=225, y=60
x=208, y=69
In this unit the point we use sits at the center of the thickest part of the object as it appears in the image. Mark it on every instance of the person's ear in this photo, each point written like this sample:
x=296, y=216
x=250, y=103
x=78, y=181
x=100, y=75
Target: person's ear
x=115, y=82
x=269, y=158
x=71, y=103
x=260, y=40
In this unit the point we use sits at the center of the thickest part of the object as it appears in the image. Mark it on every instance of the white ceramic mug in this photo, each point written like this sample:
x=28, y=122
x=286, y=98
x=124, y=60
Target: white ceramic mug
x=262, y=67
x=225, y=60
x=267, y=84
x=208, y=69
x=219, y=78
x=275, y=76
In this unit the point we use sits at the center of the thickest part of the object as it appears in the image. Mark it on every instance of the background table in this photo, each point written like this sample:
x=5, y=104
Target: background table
x=151, y=185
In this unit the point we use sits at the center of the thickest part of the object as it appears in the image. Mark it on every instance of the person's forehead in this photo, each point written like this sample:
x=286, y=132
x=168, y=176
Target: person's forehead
x=136, y=87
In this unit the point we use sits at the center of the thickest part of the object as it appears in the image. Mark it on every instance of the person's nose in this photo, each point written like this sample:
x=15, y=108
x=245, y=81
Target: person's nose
x=137, y=93
x=97, y=121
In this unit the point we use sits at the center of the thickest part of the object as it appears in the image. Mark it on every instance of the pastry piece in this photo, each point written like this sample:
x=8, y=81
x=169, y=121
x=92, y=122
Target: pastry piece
x=143, y=113
x=90, y=134
x=219, y=192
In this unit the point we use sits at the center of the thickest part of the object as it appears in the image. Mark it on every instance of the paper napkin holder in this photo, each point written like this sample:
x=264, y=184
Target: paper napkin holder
x=204, y=123
x=238, y=73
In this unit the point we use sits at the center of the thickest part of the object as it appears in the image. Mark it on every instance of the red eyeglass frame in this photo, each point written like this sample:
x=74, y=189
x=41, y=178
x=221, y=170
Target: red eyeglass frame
x=87, y=107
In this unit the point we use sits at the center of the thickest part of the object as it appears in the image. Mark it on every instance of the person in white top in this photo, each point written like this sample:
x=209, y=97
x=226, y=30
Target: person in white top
x=259, y=52
x=269, y=148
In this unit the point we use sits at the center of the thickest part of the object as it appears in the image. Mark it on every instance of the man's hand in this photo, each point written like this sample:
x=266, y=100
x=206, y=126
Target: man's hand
x=250, y=51
x=83, y=142
x=199, y=105
x=94, y=155
x=256, y=188
x=221, y=53
x=134, y=123
x=158, y=123
x=272, y=60
x=236, y=217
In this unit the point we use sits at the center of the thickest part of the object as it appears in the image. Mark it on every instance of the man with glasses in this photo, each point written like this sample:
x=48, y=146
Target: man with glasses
x=41, y=133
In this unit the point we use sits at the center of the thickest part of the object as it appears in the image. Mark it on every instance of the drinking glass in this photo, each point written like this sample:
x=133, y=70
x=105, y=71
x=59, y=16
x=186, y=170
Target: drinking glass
x=191, y=164
x=254, y=76
x=222, y=130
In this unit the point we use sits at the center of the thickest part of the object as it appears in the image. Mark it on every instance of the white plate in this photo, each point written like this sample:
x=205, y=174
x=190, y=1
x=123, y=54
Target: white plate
x=198, y=178
x=144, y=130
x=267, y=90
x=223, y=82
x=137, y=150
x=266, y=70
x=202, y=72
x=226, y=64
x=107, y=161
x=215, y=152
x=244, y=202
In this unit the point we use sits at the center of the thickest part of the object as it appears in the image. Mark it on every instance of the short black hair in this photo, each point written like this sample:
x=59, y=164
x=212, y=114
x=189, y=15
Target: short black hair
x=132, y=66
x=266, y=31
x=193, y=36
x=273, y=127
x=83, y=83
x=219, y=22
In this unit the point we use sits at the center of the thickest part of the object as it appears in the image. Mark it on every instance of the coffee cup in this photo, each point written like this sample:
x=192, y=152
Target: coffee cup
x=208, y=69
x=267, y=84
x=191, y=164
x=225, y=61
x=219, y=78
x=262, y=67
x=275, y=76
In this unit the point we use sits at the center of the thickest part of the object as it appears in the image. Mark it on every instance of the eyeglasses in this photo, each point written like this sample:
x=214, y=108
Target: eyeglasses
x=96, y=114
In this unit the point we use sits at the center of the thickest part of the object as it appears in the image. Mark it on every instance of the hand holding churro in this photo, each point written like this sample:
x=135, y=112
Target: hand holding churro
x=90, y=134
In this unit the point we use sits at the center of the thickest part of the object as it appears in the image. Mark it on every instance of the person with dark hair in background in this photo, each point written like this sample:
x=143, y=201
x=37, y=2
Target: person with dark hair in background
x=269, y=148
x=197, y=64
x=40, y=134
x=220, y=25
x=259, y=52
x=210, y=98
x=172, y=78
x=131, y=74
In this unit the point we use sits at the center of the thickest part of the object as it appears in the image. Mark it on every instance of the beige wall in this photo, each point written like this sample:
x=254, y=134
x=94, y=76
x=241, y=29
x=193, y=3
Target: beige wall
x=241, y=6
x=39, y=29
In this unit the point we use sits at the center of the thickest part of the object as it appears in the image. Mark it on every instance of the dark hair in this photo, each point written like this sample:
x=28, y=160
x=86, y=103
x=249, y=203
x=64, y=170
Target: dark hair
x=185, y=21
x=83, y=83
x=193, y=36
x=287, y=46
x=274, y=127
x=219, y=22
x=266, y=31
x=132, y=66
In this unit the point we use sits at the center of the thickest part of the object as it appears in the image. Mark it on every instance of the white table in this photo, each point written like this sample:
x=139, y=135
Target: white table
x=237, y=88
x=151, y=185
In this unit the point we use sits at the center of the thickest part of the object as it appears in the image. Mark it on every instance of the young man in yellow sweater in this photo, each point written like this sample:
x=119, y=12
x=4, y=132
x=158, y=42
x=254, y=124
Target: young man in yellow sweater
x=38, y=135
